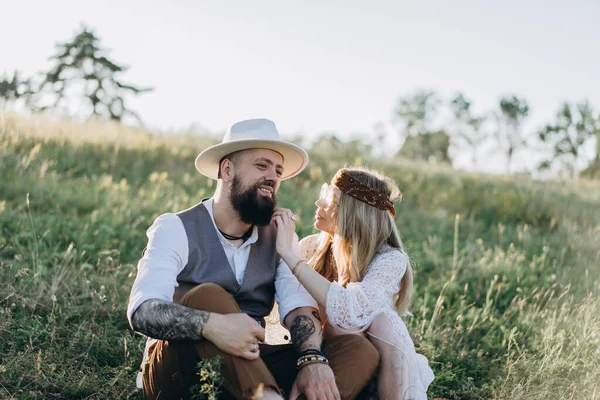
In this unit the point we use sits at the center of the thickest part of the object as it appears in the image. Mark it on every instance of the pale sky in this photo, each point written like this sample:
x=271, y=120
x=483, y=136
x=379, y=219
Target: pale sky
x=322, y=66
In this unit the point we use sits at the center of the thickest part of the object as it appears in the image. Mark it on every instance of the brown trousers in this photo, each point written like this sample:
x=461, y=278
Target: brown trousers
x=171, y=366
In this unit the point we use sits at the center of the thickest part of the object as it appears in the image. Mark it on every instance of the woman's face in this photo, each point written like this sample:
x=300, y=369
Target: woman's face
x=327, y=209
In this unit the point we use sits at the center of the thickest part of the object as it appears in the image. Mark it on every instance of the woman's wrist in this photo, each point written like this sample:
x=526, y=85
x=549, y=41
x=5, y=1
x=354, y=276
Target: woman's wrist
x=294, y=268
x=291, y=259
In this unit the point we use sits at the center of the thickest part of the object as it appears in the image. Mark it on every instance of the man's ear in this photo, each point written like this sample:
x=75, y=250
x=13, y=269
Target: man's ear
x=226, y=170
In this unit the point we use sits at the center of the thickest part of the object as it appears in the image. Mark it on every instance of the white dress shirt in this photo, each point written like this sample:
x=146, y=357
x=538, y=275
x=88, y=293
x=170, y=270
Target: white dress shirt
x=167, y=255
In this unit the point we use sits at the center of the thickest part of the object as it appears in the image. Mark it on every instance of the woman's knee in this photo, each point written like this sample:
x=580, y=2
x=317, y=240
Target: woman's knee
x=381, y=334
x=380, y=325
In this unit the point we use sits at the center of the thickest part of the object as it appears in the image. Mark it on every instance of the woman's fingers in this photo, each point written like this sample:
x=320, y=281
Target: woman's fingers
x=282, y=211
x=277, y=213
x=282, y=220
x=285, y=212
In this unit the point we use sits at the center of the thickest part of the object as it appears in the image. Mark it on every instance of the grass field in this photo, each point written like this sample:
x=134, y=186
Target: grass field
x=507, y=270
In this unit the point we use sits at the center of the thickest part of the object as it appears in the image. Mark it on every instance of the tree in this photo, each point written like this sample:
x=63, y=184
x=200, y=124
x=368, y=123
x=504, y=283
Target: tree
x=83, y=69
x=509, y=135
x=574, y=127
x=417, y=111
x=13, y=89
x=468, y=129
x=329, y=148
x=430, y=147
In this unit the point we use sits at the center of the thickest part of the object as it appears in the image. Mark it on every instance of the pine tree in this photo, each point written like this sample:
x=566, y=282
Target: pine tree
x=82, y=69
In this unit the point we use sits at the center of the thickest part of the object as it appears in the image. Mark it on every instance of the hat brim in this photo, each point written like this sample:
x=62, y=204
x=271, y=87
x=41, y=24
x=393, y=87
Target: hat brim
x=295, y=158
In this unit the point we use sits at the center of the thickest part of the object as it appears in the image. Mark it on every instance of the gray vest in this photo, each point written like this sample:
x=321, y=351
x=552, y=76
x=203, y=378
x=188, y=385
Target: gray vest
x=207, y=263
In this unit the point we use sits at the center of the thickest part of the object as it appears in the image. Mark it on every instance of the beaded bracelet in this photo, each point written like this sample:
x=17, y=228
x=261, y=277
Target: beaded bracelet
x=312, y=352
x=312, y=359
x=307, y=363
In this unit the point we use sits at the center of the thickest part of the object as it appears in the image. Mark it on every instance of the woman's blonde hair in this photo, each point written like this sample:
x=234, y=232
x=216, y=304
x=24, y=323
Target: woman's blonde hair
x=361, y=230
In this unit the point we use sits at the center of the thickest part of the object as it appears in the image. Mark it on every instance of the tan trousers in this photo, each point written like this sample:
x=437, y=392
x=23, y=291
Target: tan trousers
x=171, y=366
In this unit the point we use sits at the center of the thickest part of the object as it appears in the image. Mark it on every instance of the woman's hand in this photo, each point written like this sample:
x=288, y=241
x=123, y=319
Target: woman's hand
x=285, y=221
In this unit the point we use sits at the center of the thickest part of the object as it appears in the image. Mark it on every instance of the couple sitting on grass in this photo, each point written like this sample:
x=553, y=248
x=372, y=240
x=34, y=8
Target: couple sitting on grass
x=210, y=275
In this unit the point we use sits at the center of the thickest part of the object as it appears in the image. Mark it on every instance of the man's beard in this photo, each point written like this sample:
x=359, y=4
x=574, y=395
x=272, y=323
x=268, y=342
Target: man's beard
x=251, y=207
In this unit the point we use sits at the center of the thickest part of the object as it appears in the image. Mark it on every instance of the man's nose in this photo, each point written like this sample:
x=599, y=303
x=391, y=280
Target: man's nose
x=272, y=176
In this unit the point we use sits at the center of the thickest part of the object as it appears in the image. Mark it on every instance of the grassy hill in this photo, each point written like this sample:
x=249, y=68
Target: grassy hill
x=507, y=270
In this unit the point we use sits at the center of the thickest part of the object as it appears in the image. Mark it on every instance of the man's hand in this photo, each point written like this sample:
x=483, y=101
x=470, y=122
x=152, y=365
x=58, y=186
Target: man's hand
x=235, y=334
x=316, y=382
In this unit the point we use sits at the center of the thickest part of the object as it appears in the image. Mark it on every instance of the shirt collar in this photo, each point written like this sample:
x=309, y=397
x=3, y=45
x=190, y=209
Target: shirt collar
x=252, y=239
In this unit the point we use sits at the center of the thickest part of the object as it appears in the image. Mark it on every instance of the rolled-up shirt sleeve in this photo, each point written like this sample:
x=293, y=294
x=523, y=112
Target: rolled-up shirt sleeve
x=289, y=292
x=164, y=258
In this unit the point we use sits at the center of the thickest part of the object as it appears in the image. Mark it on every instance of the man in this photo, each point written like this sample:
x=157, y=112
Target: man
x=210, y=274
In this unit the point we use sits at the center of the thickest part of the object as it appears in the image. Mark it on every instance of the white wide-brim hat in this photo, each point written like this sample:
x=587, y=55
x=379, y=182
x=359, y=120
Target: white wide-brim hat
x=252, y=134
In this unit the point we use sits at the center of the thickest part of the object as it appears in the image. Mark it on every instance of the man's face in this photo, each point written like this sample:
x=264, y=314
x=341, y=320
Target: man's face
x=254, y=186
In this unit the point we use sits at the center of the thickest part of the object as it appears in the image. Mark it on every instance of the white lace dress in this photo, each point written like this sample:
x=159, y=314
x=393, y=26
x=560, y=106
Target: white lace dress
x=354, y=308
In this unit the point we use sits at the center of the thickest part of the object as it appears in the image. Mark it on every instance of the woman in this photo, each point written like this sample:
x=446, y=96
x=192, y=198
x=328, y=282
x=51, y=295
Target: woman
x=358, y=272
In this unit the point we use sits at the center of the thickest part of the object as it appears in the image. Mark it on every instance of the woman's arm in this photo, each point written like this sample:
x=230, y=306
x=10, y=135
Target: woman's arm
x=312, y=281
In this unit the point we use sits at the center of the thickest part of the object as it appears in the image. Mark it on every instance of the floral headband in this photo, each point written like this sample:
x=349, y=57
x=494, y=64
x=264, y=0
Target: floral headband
x=353, y=187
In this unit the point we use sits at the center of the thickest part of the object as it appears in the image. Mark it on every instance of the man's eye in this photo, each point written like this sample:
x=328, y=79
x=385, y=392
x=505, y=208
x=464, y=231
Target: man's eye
x=279, y=173
x=262, y=166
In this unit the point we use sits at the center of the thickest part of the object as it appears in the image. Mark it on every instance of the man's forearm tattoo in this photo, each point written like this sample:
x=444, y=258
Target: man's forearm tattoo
x=160, y=319
x=301, y=330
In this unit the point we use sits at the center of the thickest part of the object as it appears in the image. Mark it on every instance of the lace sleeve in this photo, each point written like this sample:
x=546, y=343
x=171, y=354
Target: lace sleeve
x=353, y=308
x=308, y=246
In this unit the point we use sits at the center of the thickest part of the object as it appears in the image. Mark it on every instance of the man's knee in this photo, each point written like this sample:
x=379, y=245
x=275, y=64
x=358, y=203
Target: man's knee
x=210, y=297
x=354, y=361
x=207, y=289
x=364, y=352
